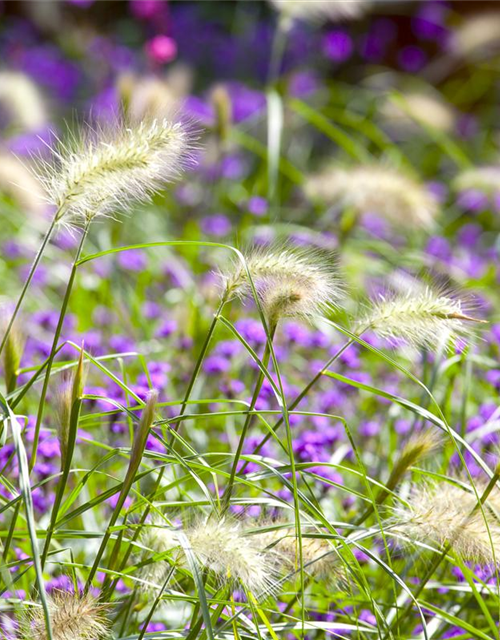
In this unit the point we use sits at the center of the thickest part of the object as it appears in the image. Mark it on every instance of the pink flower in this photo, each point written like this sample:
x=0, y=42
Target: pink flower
x=146, y=9
x=161, y=49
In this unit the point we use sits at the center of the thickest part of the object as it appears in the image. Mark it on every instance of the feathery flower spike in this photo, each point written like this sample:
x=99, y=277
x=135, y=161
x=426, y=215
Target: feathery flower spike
x=73, y=616
x=477, y=37
x=101, y=172
x=320, y=559
x=486, y=179
x=22, y=100
x=159, y=539
x=422, y=317
x=223, y=547
x=319, y=10
x=447, y=514
x=290, y=281
x=375, y=189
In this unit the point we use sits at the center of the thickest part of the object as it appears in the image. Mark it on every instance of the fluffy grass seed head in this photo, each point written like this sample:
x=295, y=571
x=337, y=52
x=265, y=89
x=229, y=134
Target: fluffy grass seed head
x=157, y=539
x=419, y=446
x=445, y=514
x=478, y=36
x=419, y=108
x=321, y=10
x=223, y=547
x=148, y=97
x=18, y=182
x=485, y=179
x=73, y=616
x=422, y=317
x=320, y=560
x=289, y=280
x=22, y=101
x=100, y=172
x=386, y=192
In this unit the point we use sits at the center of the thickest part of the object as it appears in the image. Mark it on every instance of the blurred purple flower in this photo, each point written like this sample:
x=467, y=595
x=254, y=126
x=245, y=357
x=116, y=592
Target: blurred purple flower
x=216, y=225
x=133, y=260
x=337, y=45
x=257, y=206
x=161, y=49
x=411, y=58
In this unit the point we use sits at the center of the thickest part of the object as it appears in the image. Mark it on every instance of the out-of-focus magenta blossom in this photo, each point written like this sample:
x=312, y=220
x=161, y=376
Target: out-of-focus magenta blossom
x=303, y=83
x=81, y=3
x=147, y=9
x=161, y=49
x=257, y=206
x=217, y=225
x=46, y=65
x=32, y=143
x=412, y=59
x=473, y=200
x=429, y=23
x=337, y=45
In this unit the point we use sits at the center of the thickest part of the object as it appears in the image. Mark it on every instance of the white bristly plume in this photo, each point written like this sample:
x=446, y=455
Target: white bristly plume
x=486, y=179
x=393, y=195
x=73, y=617
x=101, y=172
x=422, y=317
x=443, y=514
x=320, y=559
x=321, y=10
x=289, y=280
x=223, y=548
x=22, y=100
x=478, y=36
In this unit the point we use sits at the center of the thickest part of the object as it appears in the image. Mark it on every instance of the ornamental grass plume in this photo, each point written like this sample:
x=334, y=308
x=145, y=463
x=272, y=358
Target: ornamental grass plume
x=159, y=540
x=412, y=109
x=422, y=316
x=22, y=101
x=73, y=616
x=18, y=182
x=99, y=172
x=224, y=548
x=319, y=10
x=393, y=195
x=478, y=36
x=147, y=97
x=446, y=514
x=289, y=281
x=320, y=558
x=485, y=179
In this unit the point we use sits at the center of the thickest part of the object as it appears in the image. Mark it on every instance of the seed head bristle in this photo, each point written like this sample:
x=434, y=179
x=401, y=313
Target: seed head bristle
x=159, y=539
x=18, y=182
x=418, y=447
x=375, y=189
x=446, y=514
x=319, y=557
x=100, y=172
x=289, y=281
x=477, y=36
x=422, y=317
x=22, y=100
x=73, y=616
x=411, y=109
x=321, y=11
x=223, y=547
x=484, y=179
